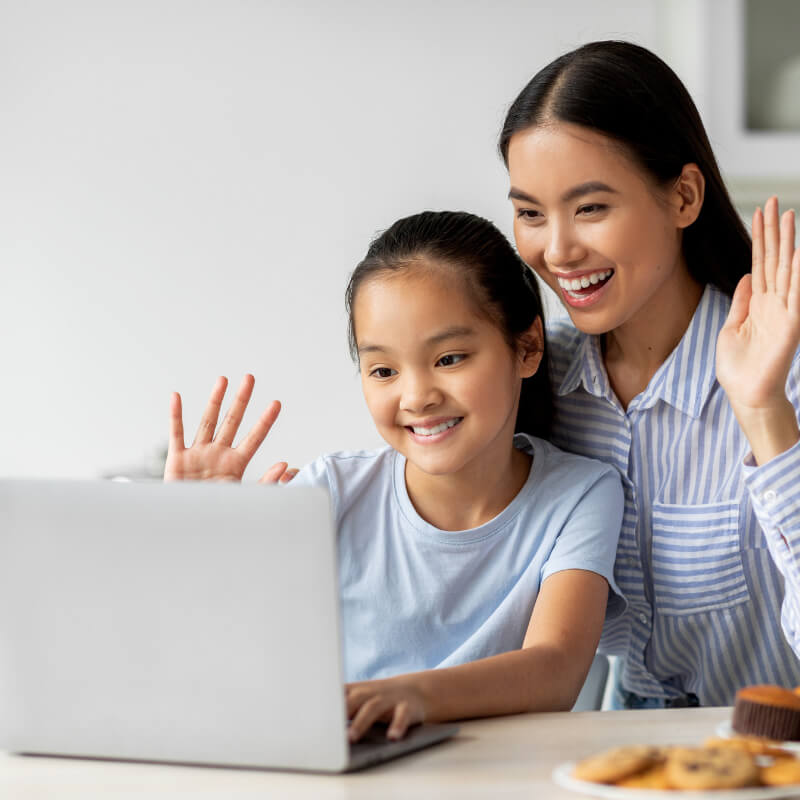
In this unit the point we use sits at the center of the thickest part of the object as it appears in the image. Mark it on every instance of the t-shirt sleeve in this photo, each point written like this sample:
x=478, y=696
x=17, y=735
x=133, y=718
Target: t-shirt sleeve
x=318, y=475
x=588, y=539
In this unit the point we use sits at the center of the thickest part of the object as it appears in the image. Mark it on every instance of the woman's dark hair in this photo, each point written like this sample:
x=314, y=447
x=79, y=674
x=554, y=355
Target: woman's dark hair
x=501, y=286
x=629, y=94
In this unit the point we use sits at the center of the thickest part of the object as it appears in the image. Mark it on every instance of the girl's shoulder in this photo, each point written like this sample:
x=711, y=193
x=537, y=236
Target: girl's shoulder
x=557, y=465
x=350, y=465
x=348, y=474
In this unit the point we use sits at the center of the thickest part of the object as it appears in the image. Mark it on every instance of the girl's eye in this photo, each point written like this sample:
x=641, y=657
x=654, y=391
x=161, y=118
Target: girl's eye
x=450, y=359
x=592, y=208
x=382, y=372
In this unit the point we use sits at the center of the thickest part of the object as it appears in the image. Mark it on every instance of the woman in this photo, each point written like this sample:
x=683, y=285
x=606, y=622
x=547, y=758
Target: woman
x=680, y=370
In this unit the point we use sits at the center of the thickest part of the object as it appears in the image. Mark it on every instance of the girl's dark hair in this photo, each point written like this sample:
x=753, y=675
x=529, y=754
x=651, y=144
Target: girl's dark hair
x=629, y=94
x=501, y=286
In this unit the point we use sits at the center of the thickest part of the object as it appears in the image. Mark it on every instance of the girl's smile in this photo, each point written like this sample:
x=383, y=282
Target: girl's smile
x=432, y=431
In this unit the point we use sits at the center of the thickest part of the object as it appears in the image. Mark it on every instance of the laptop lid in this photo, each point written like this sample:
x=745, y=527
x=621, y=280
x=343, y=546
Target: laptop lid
x=173, y=622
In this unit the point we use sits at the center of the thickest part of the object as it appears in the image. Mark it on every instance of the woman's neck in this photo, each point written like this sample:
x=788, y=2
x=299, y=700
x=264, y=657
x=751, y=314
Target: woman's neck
x=471, y=497
x=634, y=351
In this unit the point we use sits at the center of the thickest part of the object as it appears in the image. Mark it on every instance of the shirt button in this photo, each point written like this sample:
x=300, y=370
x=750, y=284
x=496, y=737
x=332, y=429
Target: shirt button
x=769, y=497
x=643, y=619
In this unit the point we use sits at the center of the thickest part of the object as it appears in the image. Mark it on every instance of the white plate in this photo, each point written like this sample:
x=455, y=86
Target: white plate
x=562, y=775
x=725, y=731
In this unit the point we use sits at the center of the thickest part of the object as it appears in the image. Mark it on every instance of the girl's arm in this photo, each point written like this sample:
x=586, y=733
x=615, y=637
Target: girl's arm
x=545, y=675
x=211, y=455
x=761, y=335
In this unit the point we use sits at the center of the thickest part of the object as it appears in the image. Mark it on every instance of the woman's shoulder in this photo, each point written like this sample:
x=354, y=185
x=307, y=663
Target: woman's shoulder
x=563, y=340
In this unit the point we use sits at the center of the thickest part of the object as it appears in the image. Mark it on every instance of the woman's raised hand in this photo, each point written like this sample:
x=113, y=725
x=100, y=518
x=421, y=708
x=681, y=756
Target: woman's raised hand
x=761, y=335
x=213, y=457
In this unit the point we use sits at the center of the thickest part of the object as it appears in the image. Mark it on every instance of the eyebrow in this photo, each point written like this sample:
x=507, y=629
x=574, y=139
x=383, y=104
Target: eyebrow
x=454, y=332
x=571, y=194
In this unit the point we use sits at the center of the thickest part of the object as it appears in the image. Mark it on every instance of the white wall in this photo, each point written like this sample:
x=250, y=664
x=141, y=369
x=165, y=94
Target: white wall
x=185, y=186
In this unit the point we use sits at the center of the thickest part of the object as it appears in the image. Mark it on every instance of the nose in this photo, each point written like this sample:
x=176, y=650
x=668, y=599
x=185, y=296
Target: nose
x=419, y=392
x=564, y=248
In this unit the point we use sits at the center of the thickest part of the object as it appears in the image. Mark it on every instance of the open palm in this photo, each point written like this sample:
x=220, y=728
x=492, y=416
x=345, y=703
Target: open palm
x=759, y=339
x=212, y=456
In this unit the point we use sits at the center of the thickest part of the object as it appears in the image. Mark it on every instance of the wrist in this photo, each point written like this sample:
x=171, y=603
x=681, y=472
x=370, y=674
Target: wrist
x=770, y=430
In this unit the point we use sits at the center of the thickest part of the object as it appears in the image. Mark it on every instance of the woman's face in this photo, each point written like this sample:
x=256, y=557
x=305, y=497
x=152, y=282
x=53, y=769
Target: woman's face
x=595, y=227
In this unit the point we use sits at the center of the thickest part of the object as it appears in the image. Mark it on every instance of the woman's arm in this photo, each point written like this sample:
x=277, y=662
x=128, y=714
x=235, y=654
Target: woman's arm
x=545, y=675
x=758, y=342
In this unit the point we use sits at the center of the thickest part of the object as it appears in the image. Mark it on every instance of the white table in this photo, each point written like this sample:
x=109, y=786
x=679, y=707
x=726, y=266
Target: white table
x=504, y=757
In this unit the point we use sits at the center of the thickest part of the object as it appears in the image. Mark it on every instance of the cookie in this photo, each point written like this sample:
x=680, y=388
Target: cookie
x=710, y=768
x=615, y=765
x=755, y=745
x=652, y=778
x=781, y=772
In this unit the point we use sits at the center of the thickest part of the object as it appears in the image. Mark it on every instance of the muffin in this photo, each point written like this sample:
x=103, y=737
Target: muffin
x=768, y=711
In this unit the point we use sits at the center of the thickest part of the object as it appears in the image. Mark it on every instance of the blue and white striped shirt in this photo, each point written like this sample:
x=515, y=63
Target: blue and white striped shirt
x=708, y=539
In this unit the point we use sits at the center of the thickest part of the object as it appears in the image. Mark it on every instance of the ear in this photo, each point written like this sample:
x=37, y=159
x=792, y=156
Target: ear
x=687, y=195
x=531, y=349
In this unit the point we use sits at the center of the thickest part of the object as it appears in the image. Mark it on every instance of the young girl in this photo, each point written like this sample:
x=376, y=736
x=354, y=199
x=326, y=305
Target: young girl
x=475, y=565
x=681, y=369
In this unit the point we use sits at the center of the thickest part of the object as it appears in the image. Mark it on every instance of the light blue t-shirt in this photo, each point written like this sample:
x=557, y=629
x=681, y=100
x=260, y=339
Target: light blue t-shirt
x=415, y=597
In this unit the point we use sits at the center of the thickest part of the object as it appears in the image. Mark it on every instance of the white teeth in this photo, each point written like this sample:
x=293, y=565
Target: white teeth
x=584, y=281
x=436, y=428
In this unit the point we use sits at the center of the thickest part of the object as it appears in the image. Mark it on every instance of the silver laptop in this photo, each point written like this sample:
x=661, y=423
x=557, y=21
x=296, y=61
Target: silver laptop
x=181, y=622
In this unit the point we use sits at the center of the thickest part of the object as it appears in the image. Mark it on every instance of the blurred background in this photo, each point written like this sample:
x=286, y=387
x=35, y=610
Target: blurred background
x=185, y=186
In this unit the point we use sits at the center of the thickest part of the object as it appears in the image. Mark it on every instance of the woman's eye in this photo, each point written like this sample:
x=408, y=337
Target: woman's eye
x=382, y=372
x=528, y=213
x=450, y=359
x=592, y=208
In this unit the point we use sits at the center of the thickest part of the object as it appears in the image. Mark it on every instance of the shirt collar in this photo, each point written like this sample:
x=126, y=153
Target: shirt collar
x=684, y=380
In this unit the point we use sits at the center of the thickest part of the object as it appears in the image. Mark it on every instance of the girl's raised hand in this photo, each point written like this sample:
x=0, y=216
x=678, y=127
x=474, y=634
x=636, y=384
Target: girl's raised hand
x=213, y=457
x=759, y=339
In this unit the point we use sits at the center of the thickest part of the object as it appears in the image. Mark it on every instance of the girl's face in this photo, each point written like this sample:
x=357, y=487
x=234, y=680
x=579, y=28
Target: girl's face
x=441, y=382
x=594, y=227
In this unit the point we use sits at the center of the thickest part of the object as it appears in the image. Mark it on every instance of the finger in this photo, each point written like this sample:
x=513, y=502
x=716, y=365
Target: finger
x=274, y=473
x=208, y=422
x=784, y=272
x=248, y=446
x=289, y=475
x=771, y=243
x=740, y=303
x=369, y=713
x=758, y=251
x=401, y=719
x=793, y=299
x=176, y=443
x=232, y=420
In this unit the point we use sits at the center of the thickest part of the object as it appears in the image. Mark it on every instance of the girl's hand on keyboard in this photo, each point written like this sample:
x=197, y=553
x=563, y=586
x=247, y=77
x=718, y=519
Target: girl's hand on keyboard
x=396, y=701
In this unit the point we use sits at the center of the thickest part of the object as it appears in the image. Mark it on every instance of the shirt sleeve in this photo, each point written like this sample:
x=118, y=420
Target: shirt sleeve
x=775, y=494
x=588, y=539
